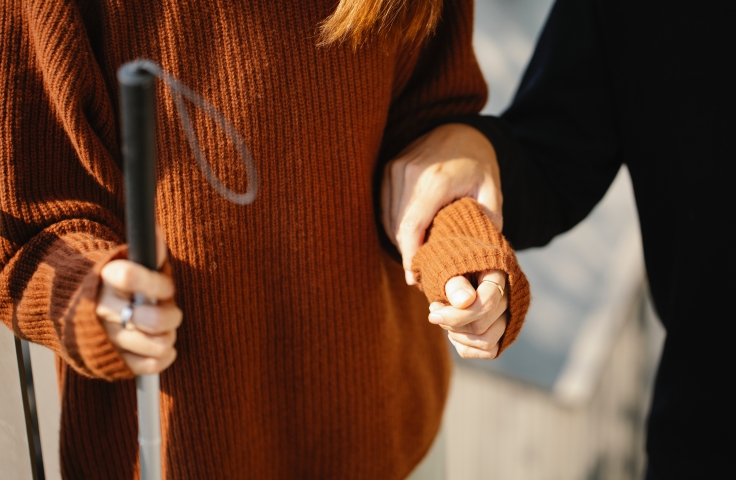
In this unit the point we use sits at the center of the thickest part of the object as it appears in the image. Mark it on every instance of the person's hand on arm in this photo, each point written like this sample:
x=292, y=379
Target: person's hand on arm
x=450, y=162
x=146, y=342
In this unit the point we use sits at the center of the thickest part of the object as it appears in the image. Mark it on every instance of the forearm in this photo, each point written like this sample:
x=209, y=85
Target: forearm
x=557, y=144
x=532, y=214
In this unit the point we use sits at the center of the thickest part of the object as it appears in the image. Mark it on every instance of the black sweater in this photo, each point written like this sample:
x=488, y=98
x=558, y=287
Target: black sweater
x=648, y=84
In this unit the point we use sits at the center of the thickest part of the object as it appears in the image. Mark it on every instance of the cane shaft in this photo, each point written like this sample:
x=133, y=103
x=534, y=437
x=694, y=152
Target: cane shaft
x=137, y=104
x=149, y=430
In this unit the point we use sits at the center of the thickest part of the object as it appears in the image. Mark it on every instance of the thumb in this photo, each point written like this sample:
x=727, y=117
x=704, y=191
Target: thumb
x=460, y=292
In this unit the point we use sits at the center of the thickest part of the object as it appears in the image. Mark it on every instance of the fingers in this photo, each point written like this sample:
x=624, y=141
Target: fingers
x=153, y=319
x=391, y=195
x=415, y=217
x=494, y=278
x=128, y=277
x=475, y=329
x=488, y=305
x=411, y=210
x=460, y=292
x=147, y=341
x=386, y=187
x=143, y=344
x=149, y=365
x=483, y=346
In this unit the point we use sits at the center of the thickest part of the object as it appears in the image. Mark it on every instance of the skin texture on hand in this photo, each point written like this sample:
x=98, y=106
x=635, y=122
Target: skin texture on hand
x=475, y=325
x=452, y=161
x=147, y=341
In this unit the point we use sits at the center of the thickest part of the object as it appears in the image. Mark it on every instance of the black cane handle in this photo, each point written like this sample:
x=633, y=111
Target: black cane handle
x=138, y=124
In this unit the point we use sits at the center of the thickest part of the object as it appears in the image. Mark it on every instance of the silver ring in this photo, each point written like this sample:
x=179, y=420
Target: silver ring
x=126, y=314
x=500, y=288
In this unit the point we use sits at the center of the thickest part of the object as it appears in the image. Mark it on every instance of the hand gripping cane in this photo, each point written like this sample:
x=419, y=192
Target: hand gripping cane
x=137, y=112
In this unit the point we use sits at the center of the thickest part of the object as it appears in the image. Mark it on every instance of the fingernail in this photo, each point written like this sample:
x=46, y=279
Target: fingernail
x=460, y=297
x=436, y=318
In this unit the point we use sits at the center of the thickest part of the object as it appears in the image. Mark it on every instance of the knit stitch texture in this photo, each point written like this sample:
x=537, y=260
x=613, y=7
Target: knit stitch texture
x=303, y=353
x=462, y=240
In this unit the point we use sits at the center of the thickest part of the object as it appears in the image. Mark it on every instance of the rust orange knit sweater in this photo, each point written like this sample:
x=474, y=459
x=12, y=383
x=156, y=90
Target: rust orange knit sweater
x=303, y=354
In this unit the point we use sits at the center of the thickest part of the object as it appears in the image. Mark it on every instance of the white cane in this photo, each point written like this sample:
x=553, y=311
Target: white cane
x=137, y=112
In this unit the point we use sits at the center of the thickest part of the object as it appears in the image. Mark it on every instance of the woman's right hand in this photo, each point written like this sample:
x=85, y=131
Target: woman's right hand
x=147, y=340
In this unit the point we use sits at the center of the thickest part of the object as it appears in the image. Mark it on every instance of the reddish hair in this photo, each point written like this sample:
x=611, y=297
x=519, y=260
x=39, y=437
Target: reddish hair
x=397, y=21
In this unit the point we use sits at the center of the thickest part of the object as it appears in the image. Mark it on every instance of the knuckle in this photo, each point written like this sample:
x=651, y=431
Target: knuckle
x=171, y=359
x=408, y=226
x=438, y=171
x=126, y=277
x=488, y=305
x=396, y=167
x=111, y=269
x=168, y=282
x=148, y=366
x=156, y=366
x=414, y=167
x=178, y=316
x=477, y=328
x=150, y=318
x=161, y=283
x=491, y=338
x=484, y=345
x=160, y=347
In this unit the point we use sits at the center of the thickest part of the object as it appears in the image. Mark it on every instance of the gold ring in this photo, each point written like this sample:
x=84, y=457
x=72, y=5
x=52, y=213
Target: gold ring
x=500, y=288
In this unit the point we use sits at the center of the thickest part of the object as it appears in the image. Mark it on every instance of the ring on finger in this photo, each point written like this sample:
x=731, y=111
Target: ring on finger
x=126, y=314
x=500, y=288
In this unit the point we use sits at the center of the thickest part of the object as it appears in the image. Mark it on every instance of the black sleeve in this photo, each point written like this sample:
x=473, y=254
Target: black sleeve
x=557, y=144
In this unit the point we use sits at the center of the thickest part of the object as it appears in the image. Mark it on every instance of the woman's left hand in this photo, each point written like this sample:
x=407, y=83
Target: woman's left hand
x=476, y=319
x=450, y=162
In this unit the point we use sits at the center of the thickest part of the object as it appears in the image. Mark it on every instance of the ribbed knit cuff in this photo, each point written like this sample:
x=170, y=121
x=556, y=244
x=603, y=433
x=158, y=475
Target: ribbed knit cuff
x=462, y=240
x=89, y=341
x=55, y=283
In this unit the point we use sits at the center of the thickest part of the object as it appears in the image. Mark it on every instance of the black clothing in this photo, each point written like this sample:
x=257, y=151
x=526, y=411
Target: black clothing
x=647, y=84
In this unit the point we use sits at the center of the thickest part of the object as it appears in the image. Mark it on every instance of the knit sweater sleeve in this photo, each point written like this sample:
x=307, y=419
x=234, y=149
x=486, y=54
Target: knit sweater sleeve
x=60, y=190
x=462, y=240
x=435, y=81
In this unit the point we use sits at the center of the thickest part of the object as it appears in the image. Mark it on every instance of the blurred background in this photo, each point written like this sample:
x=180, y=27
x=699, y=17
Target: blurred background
x=569, y=399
